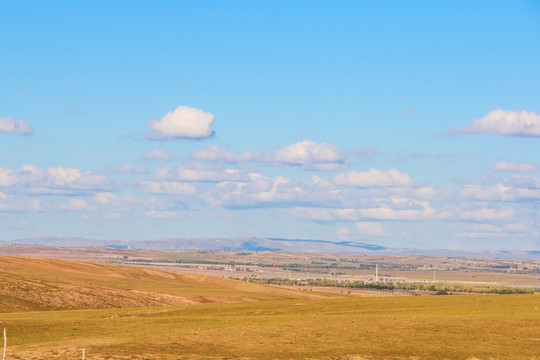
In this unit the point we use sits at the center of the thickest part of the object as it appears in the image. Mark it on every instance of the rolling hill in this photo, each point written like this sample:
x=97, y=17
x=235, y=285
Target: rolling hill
x=34, y=283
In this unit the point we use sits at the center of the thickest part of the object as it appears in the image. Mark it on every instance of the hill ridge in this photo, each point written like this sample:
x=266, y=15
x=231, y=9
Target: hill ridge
x=40, y=283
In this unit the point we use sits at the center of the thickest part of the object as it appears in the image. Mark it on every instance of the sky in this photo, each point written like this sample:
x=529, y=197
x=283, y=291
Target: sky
x=402, y=124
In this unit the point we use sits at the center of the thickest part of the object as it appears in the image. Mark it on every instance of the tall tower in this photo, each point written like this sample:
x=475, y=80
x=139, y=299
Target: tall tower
x=376, y=272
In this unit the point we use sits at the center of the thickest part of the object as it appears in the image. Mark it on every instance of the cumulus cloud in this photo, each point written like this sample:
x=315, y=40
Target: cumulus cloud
x=373, y=178
x=55, y=180
x=305, y=154
x=311, y=155
x=503, y=166
x=183, y=123
x=504, y=123
x=257, y=191
x=12, y=126
x=158, y=154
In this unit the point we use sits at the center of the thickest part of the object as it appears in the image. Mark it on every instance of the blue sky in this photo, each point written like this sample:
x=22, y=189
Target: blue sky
x=409, y=124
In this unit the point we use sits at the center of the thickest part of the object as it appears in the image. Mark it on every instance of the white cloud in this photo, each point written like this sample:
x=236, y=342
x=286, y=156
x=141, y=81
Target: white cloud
x=155, y=214
x=504, y=123
x=343, y=232
x=12, y=126
x=311, y=155
x=522, y=194
x=259, y=191
x=104, y=197
x=200, y=173
x=503, y=166
x=167, y=187
x=56, y=180
x=506, y=231
x=75, y=205
x=158, y=154
x=371, y=228
x=11, y=203
x=127, y=168
x=423, y=193
x=108, y=201
x=183, y=123
x=528, y=182
x=488, y=214
x=373, y=178
x=305, y=154
x=216, y=153
x=516, y=188
x=387, y=213
x=497, y=192
x=498, y=228
x=313, y=214
x=387, y=209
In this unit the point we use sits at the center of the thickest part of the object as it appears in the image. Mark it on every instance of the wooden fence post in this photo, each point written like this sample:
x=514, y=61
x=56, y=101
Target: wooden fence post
x=5, y=343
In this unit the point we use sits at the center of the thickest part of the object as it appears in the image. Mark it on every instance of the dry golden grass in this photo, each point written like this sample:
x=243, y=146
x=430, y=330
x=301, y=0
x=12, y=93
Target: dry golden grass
x=30, y=283
x=287, y=325
x=450, y=327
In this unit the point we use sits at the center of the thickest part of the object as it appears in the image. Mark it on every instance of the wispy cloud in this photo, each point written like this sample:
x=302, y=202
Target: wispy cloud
x=72, y=111
x=504, y=166
x=373, y=178
x=127, y=168
x=12, y=126
x=160, y=215
x=371, y=228
x=158, y=154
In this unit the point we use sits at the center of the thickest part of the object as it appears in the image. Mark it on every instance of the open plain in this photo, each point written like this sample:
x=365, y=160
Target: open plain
x=127, y=312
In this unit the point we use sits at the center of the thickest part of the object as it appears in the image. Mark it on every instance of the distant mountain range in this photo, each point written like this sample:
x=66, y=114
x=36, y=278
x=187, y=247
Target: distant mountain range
x=273, y=244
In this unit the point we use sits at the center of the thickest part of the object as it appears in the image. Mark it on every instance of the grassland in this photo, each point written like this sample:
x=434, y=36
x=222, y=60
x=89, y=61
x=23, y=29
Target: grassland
x=31, y=283
x=118, y=313
x=451, y=327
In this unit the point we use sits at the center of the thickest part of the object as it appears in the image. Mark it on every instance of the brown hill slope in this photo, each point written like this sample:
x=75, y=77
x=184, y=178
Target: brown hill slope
x=32, y=283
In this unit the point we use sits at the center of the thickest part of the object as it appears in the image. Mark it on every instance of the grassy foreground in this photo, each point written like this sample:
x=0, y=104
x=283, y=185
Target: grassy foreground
x=430, y=327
